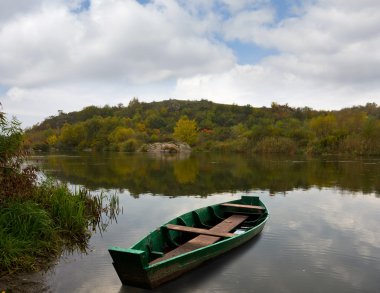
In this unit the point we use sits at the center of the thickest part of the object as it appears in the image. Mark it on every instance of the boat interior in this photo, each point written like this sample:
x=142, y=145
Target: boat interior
x=202, y=227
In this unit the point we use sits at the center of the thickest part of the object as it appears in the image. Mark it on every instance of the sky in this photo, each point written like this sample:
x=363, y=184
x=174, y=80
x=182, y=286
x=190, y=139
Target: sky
x=69, y=54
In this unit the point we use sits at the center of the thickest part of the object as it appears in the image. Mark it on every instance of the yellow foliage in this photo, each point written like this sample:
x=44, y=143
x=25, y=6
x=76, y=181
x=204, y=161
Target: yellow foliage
x=52, y=139
x=186, y=131
x=141, y=127
x=323, y=125
x=121, y=134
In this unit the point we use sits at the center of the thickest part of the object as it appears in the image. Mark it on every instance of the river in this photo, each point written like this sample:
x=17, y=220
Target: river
x=323, y=234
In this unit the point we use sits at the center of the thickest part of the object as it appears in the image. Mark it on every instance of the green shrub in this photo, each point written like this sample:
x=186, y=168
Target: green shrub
x=276, y=145
x=353, y=144
x=41, y=147
x=324, y=145
x=130, y=145
x=15, y=180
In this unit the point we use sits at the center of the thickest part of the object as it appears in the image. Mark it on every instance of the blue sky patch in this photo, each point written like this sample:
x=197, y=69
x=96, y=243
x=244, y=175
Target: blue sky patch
x=143, y=2
x=249, y=53
x=83, y=6
x=3, y=89
x=287, y=8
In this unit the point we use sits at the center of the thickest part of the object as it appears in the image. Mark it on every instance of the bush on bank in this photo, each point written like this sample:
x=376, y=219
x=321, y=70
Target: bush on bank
x=38, y=219
x=36, y=229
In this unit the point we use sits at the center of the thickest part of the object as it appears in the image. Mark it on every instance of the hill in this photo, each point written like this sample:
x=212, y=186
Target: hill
x=278, y=129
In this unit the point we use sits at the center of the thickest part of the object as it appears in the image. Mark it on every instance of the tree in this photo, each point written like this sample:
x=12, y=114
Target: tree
x=52, y=140
x=186, y=130
x=73, y=135
x=323, y=125
x=14, y=179
x=120, y=134
x=11, y=136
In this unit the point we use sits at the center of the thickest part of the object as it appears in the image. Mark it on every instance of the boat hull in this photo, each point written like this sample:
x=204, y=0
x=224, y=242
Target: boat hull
x=194, y=259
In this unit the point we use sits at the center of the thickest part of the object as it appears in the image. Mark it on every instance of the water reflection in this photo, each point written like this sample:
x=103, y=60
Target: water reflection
x=204, y=174
x=186, y=171
x=315, y=241
x=322, y=235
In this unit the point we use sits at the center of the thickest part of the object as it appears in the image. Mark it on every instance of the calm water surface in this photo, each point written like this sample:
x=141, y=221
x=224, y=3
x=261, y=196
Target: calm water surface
x=323, y=234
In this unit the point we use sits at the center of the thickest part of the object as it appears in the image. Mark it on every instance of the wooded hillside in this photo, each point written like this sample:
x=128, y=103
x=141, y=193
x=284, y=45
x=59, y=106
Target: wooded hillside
x=210, y=126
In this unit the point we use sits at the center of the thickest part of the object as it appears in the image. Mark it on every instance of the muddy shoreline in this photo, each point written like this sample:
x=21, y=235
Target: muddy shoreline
x=24, y=282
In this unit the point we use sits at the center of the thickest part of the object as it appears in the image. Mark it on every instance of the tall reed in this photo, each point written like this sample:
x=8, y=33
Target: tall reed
x=35, y=230
x=27, y=232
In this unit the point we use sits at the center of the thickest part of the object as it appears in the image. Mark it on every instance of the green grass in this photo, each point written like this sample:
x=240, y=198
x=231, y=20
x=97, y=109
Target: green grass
x=67, y=209
x=35, y=230
x=27, y=233
x=37, y=221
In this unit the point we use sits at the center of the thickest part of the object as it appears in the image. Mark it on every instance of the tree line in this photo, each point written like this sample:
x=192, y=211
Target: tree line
x=209, y=126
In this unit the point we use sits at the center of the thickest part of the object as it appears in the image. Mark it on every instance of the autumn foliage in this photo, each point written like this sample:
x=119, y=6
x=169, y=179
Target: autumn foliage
x=213, y=127
x=185, y=130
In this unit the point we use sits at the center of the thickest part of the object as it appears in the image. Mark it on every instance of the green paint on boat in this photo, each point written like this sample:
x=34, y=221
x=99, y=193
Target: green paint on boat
x=165, y=254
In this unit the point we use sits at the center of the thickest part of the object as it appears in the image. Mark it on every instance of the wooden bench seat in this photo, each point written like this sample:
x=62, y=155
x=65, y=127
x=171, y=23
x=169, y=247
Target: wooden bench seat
x=225, y=226
x=198, y=231
x=242, y=206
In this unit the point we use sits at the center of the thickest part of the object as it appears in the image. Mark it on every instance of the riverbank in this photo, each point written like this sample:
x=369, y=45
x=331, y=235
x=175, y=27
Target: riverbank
x=35, y=229
x=39, y=218
x=24, y=282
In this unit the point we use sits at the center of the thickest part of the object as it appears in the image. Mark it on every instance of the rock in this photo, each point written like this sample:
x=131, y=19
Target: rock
x=166, y=147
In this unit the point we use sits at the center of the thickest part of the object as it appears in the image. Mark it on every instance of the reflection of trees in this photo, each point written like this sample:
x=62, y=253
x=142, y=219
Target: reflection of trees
x=169, y=156
x=208, y=173
x=186, y=171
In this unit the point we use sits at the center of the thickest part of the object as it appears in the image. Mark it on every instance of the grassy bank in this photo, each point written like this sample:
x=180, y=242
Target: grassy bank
x=35, y=229
x=39, y=220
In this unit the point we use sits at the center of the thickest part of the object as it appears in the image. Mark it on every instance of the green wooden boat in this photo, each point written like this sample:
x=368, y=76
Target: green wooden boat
x=189, y=240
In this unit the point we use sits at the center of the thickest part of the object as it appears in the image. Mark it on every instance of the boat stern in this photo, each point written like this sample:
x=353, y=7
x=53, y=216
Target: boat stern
x=130, y=265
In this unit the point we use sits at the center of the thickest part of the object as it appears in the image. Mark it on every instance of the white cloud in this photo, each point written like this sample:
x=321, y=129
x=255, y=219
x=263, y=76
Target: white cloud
x=260, y=85
x=327, y=58
x=32, y=105
x=49, y=55
x=14, y=8
x=332, y=39
x=113, y=40
x=327, y=52
x=247, y=24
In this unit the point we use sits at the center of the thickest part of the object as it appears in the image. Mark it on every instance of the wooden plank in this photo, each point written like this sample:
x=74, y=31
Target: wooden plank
x=225, y=226
x=198, y=231
x=242, y=206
